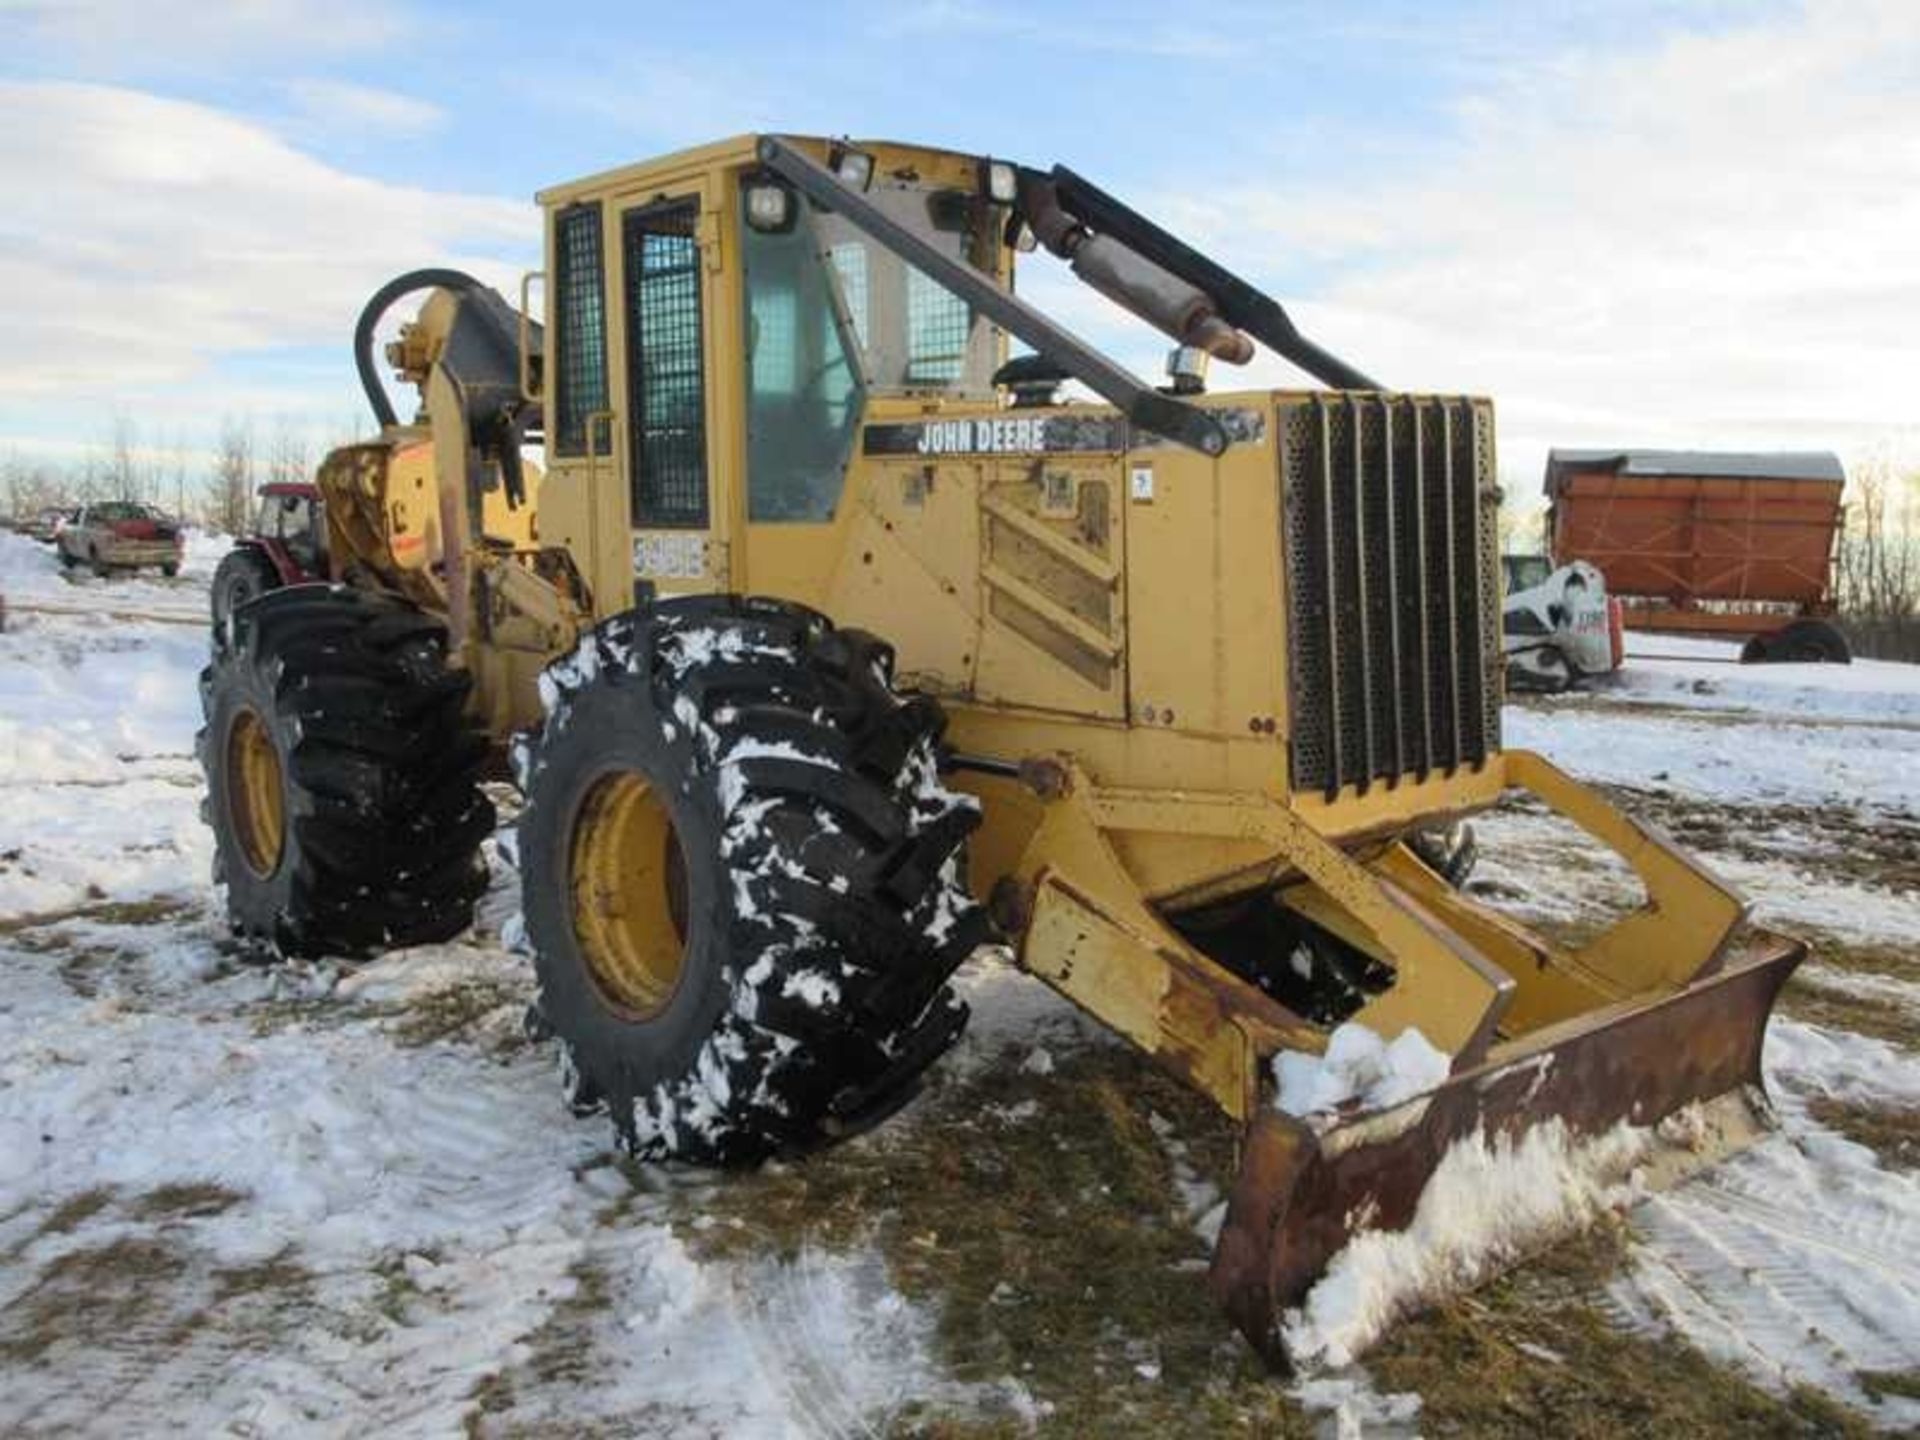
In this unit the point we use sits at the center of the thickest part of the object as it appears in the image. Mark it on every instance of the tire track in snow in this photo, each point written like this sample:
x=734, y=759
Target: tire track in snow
x=835, y=1340
x=1800, y=1258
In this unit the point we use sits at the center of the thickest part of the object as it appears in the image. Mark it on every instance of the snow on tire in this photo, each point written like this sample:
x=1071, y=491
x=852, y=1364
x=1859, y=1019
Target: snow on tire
x=742, y=880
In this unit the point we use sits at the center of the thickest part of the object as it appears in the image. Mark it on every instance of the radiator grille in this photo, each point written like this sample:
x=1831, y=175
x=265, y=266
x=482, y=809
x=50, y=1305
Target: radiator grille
x=1391, y=537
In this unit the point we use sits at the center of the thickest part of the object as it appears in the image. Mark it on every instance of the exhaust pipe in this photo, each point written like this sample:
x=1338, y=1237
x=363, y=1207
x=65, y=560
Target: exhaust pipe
x=1130, y=280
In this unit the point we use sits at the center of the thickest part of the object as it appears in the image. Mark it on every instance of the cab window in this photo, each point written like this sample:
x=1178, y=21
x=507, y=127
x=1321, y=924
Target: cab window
x=804, y=386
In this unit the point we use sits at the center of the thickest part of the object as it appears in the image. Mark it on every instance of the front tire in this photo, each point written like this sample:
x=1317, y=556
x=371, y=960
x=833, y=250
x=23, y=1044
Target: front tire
x=342, y=775
x=742, y=880
x=243, y=575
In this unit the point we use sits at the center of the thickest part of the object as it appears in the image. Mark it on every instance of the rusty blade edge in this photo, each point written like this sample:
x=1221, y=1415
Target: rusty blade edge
x=1300, y=1192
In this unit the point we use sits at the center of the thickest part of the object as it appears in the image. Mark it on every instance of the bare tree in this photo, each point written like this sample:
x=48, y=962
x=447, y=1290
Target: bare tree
x=231, y=498
x=1877, y=580
x=1523, y=527
x=30, y=485
x=123, y=472
x=1879, y=571
x=174, y=490
x=287, y=460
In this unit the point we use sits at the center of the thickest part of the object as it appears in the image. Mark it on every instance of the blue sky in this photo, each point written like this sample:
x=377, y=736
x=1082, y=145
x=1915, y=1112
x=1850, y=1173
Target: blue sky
x=1637, y=221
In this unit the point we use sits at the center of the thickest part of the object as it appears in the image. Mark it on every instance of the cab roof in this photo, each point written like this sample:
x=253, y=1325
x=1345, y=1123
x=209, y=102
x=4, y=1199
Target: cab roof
x=734, y=150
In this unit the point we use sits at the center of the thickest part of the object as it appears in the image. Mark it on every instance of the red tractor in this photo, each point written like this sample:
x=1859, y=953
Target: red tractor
x=287, y=547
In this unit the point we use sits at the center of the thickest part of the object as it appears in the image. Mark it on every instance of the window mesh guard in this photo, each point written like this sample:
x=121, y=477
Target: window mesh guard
x=666, y=383
x=938, y=324
x=580, y=329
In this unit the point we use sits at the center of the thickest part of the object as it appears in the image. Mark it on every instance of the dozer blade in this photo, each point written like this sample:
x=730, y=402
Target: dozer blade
x=1306, y=1189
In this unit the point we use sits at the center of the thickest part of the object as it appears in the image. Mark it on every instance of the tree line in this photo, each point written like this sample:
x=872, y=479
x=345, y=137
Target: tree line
x=209, y=487
x=1877, y=563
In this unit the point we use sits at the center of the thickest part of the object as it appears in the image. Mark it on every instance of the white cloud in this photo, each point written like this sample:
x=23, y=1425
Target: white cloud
x=1182, y=40
x=1715, y=242
x=200, y=33
x=340, y=103
x=145, y=237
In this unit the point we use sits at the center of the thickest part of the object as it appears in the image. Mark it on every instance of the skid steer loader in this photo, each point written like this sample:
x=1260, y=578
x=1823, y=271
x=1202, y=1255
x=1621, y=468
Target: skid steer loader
x=832, y=640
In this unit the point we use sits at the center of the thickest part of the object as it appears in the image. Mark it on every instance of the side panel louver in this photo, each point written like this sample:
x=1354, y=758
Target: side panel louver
x=1391, y=517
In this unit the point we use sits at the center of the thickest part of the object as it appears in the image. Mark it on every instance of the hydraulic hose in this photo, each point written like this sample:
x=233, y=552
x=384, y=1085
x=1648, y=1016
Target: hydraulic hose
x=376, y=306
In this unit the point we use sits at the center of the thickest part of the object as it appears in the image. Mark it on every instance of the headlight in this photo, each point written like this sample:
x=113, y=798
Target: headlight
x=1002, y=185
x=769, y=206
x=854, y=167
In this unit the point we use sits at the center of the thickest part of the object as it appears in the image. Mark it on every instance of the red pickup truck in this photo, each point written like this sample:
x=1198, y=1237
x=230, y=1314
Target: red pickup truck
x=121, y=535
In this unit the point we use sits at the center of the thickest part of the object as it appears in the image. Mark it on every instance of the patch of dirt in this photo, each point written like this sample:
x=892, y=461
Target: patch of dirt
x=90, y=1297
x=559, y=1381
x=1896, y=962
x=1818, y=1004
x=1837, y=842
x=189, y=1200
x=1892, y=1134
x=73, y=1212
x=1532, y=1354
x=398, y=1289
x=1546, y=872
x=457, y=1011
x=560, y=1353
x=91, y=961
x=147, y=1319
x=556, y=1355
x=1697, y=714
x=156, y=910
x=1881, y=1383
x=308, y=1010
x=164, y=1204
x=1038, y=1216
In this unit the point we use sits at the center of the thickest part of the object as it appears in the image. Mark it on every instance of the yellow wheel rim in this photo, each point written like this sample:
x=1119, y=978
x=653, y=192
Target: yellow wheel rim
x=629, y=892
x=255, y=794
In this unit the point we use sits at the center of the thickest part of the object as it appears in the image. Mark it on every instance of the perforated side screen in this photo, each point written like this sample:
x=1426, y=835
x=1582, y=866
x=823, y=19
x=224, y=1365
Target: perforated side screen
x=1391, y=516
x=579, y=326
x=667, y=401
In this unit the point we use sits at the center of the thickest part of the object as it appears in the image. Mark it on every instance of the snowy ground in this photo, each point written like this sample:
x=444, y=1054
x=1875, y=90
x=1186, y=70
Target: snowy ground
x=1799, y=1259
x=247, y=1201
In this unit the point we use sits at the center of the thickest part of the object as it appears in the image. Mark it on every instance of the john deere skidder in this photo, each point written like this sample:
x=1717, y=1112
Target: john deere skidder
x=831, y=642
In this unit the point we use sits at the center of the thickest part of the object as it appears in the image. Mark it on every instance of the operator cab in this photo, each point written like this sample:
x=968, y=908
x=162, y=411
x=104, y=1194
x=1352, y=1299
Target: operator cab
x=731, y=327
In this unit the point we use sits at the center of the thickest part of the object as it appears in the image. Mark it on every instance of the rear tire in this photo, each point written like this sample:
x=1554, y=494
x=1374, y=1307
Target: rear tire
x=1801, y=642
x=243, y=575
x=743, y=882
x=169, y=570
x=342, y=775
